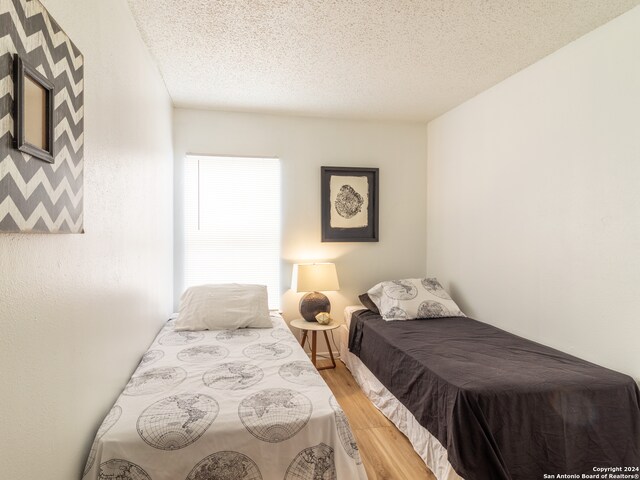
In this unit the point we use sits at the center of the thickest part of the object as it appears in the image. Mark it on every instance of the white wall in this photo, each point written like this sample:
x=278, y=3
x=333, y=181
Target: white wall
x=304, y=145
x=77, y=311
x=534, y=199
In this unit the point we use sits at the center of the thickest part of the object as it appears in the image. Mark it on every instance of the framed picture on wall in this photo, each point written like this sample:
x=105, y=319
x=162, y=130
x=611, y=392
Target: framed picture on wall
x=33, y=111
x=349, y=198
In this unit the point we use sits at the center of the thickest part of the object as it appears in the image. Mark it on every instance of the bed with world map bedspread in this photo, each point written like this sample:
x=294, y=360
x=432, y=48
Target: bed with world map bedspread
x=241, y=404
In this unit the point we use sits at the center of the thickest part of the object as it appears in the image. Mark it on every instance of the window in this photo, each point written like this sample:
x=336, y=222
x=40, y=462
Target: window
x=232, y=222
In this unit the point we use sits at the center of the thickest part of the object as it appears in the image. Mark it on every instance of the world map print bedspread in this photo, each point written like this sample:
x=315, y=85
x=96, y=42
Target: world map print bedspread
x=229, y=404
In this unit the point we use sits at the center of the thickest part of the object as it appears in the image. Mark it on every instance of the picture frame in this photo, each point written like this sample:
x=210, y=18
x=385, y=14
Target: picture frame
x=350, y=204
x=33, y=111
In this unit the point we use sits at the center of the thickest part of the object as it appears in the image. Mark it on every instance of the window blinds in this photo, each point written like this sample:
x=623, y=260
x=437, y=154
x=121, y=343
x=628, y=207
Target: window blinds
x=232, y=222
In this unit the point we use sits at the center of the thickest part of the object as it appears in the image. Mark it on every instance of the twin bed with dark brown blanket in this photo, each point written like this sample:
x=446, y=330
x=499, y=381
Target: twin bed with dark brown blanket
x=503, y=407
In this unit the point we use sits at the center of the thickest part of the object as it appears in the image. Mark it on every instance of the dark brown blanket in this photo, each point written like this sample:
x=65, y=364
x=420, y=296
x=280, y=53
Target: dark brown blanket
x=504, y=407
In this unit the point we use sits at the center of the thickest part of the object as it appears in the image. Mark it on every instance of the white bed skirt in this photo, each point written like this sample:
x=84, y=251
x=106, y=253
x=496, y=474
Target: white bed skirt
x=426, y=445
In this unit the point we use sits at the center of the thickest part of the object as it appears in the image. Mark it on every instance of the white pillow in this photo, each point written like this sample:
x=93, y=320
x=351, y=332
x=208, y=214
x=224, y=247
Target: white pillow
x=223, y=307
x=413, y=298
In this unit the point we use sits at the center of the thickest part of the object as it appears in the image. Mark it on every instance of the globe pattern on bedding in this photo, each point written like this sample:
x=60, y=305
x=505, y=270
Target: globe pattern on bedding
x=203, y=353
x=401, y=290
x=177, y=421
x=267, y=351
x=433, y=285
x=173, y=338
x=155, y=380
x=225, y=466
x=109, y=421
x=232, y=376
x=397, y=313
x=344, y=431
x=275, y=414
x=117, y=469
x=242, y=335
x=429, y=309
x=301, y=373
x=150, y=357
x=313, y=463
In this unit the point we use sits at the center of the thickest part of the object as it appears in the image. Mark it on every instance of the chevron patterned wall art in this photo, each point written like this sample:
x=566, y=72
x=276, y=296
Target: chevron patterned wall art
x=36, y=196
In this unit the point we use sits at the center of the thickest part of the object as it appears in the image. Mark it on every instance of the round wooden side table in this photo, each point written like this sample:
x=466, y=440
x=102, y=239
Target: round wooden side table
x=314, y=328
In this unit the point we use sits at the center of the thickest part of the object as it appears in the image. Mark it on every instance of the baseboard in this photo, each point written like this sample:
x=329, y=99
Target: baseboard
x=323, y=355
x=326, y=354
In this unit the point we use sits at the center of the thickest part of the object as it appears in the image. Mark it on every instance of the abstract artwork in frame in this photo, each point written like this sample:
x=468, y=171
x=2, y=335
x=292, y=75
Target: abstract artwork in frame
x=349, y=199
x=41, y=123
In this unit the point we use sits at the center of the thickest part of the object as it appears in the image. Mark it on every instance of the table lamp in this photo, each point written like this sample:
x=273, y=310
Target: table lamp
x=311, y=277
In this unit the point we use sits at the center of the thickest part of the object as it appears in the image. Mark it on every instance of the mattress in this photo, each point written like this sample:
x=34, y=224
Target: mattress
x=502, y=406
x=236, y=404
x=349, y=311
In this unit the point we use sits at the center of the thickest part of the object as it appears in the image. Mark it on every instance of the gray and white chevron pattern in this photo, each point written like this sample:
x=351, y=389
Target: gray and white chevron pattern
x=37, y=196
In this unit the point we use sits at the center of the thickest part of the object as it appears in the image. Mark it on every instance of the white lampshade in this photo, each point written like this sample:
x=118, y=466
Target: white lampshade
x=312, y=277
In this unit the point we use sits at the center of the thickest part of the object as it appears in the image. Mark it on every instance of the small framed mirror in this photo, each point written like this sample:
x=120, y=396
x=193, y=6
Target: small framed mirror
x=33, y=111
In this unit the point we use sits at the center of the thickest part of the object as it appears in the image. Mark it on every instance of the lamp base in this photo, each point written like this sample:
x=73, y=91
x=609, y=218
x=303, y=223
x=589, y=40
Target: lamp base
x=312, y=304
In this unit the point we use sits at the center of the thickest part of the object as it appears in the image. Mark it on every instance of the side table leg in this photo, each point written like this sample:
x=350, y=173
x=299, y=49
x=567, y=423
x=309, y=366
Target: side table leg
x=313, y=347
x=304, y=338
x=333, y=362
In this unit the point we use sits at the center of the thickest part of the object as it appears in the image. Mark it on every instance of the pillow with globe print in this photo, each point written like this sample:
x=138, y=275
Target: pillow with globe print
x=413, y=298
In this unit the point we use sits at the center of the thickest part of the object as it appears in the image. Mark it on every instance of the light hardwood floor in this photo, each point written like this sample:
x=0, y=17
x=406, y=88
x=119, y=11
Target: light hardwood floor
x=386, y=453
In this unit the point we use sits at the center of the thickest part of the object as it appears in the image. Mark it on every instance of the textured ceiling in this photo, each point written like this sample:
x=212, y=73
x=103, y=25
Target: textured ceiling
x=382, y=59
